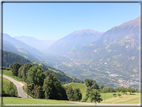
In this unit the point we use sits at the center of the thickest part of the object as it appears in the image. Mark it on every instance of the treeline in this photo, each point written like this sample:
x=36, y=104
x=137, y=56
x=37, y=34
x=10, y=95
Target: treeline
x=92, y=85
x=11, y=58
x=44, y=85
x=61, y=75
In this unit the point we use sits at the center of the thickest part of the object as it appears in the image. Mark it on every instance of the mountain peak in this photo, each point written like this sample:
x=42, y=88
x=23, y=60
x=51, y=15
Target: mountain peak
x=86, y=31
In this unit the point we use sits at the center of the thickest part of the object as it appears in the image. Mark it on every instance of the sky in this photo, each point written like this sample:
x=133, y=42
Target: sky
x=52, y=21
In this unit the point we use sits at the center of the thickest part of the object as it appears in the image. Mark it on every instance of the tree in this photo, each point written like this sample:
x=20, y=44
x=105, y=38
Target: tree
x=95, y=97
x=131, y=90
x=73, y=94
x=91, y=83
x=15, y=68
x=123, y=90
x=114, y=94
x=25, y=70
x=11, y=90
x=119, y=95
x=70, y=93
x=77, y=94
x=53, y=88
x=10, y=66
x=35, y=77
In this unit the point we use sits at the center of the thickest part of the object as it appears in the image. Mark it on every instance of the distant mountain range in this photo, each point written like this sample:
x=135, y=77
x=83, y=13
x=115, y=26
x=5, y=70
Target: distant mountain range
x=115, y=51
x=16, y=46
x=40, y=45
x=91, y=54
x=73, y=42
x=118, y=45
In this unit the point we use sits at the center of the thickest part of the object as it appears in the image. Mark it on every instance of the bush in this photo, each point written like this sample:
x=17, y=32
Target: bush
x=119, y=95
x=11, y=90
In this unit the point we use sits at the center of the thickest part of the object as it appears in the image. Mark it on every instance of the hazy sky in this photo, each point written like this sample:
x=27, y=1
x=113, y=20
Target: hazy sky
x=56, y=20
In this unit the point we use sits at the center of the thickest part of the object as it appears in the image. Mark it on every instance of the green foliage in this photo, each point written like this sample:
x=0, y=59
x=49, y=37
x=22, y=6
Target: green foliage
x=11, y=58
x=107, y=89
x=95, y=97
x=53, y=88
x=119, y=95
x=15, y=68
x=130, y=90
x=73, y=94
x=35, y=79
x=61, y=75
x=10, y=66
x=91, y=83
x=23, y=70
x=114, y=94
x=35, y=76
x=11, y=90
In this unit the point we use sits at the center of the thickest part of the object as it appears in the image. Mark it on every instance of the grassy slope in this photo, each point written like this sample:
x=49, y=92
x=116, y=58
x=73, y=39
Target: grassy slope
x=124, y=99
x=9, y=73
x=5, y=83
x=108, y=97
x=14, y=100
x=81, y=86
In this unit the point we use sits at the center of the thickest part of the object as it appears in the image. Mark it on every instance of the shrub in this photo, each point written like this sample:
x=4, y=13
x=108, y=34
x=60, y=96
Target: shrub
x=11, y=90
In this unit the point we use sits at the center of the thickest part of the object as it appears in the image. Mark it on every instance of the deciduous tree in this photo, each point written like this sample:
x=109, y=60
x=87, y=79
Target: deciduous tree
x=95, y=97
x=15, y=68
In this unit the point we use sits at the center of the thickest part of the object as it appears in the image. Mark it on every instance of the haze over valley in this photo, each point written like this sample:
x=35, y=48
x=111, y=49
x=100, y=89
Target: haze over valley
x=110, y=58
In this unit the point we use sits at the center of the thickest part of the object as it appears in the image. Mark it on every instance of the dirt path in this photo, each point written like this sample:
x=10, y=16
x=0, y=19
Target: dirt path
x=18, y=86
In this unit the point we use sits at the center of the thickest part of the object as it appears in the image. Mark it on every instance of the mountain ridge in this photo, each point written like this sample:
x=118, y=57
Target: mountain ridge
x=74, y=41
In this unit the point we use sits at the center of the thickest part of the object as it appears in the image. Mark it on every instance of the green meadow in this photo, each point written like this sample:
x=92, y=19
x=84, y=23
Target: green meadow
x=14, y=100
x=107, y=97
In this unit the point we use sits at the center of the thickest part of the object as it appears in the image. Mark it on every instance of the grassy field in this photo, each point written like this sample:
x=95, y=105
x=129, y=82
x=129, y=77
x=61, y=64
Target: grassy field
x=5, y=83
x=9, y=73
x=79, y=85
x=14, y=100
x=108, y=97
x=134, y=98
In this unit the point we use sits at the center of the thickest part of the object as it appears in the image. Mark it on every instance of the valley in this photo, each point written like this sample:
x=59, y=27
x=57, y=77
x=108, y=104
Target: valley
x=110, y=58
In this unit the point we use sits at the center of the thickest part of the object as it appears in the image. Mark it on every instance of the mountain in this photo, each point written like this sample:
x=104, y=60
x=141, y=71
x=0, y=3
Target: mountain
x=16, y=46
x=61, y=75
x=40, y=45
x=11, y=58
x=19, y=44
x=115, y=52
x=119, y=44
x=110, y=59
x=74, y=41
